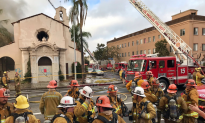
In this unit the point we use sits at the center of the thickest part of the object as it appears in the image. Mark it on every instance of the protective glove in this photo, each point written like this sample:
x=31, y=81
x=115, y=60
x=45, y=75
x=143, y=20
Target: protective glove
x=143, y=115
x=87, y=100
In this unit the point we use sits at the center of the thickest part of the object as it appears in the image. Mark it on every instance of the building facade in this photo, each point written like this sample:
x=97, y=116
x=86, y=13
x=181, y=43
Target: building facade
x=188, y=25
x=46, y=42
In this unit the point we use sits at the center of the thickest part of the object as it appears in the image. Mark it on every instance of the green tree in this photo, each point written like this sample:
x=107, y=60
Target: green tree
x=112, y=52
x=100, y=53
x=103, y=52
x=79, y=10
x=78, y=36
x=161, y=48
x=5, y=36
x=28, y=73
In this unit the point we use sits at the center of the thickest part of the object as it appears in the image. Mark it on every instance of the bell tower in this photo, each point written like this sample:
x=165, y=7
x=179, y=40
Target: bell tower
x=61, y=15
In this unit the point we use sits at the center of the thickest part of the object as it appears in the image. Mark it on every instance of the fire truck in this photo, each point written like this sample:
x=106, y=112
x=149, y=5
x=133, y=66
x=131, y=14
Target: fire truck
x=118, y=66
x=167, y=69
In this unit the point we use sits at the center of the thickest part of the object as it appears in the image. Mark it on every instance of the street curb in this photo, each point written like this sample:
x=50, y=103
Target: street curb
x=82, y=85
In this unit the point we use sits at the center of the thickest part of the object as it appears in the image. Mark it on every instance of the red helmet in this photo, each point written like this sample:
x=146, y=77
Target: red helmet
x=4, y=92
x=145, y=85
x=52, y=84
x=191, y=82
x=74, y=83
x=149, y=73
x=137, y=75
x=112, y=89
x=103, y=101
x=155, y=82
x=172, y=88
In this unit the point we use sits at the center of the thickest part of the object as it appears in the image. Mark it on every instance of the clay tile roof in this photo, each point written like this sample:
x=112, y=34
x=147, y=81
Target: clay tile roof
x=38, y=15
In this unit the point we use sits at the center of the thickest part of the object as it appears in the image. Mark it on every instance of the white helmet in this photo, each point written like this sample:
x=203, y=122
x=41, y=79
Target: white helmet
x=67, y=101
x=87, y=92
x=139, y=91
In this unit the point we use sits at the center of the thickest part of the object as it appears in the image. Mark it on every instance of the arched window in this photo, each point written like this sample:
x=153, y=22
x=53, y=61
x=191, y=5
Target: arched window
x=6, y=64
x=44, y=61
x=42, y=35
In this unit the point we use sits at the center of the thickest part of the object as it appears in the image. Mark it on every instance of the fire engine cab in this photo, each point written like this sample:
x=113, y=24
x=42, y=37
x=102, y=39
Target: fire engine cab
x=166, y=69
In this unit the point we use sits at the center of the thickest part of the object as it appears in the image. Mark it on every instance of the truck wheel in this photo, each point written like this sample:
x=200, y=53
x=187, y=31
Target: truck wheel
x=163, y=84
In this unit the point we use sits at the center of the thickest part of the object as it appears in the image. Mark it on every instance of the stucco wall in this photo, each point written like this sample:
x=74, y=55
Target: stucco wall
x=13, y=52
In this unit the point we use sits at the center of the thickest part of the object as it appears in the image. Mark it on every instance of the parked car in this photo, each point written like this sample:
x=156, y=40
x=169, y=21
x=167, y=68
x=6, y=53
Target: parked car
x=98, y=72
x=90, y=70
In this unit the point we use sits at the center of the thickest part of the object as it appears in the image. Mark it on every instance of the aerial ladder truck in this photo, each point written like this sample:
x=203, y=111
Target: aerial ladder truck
x=179, y=47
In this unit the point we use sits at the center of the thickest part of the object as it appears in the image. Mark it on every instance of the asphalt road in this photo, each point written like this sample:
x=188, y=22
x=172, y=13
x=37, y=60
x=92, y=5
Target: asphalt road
x=35, y=95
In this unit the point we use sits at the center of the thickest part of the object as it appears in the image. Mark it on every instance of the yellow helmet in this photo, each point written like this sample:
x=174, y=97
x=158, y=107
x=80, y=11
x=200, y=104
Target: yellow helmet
x=139, y=83
x=21, y=102
x=5, y=72
x=198, y=69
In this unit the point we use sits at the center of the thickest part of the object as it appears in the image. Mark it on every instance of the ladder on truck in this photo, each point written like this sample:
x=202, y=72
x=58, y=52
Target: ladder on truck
x=88, y=51
x=171, y=37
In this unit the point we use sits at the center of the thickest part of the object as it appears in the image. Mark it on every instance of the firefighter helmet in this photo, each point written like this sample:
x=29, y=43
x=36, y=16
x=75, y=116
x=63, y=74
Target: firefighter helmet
x=172, y=88
x=198, y=69
x=145, y=85
x=4, y=92
x=52, y=84
x=87, y=92
x=21, y=102
x=74, y=83
x=67, y=101
x=137, y=74
x=191, y=82
x=149, y=73
x=103, y=101
x=139, y=91
x=112, y=89
x=155, y=82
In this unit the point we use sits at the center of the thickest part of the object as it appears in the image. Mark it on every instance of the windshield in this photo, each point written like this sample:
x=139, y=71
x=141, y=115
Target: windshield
x=135, y=65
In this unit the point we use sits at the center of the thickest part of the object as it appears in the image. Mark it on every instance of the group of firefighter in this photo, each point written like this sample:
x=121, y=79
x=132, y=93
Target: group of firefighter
x=76, y=106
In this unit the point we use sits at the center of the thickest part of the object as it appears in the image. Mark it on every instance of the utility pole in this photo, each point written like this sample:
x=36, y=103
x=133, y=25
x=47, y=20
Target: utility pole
x=74, y=46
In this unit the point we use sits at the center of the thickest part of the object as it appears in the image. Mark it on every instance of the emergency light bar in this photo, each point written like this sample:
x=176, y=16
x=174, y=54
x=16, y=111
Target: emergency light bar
x=141, y=55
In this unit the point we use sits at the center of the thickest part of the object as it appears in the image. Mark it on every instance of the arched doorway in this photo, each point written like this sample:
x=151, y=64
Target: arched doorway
x=44, y=69
x=6, y=64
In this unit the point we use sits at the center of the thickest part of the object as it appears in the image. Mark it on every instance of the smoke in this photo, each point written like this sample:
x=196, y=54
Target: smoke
x=13, y=10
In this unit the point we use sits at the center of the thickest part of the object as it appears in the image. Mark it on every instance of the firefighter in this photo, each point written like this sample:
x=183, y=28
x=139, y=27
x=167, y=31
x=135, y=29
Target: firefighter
x=194, y=74
x=137, y=77
x=149, y=78
x=85, y=108
x=74, y=91
x=191, y=97
x=159, y=93
x=106, y=115
x=144, y=111
x=116, y=102
x=17, y=80
x=5, y=80
x=172, y=106
x=21, y=113
x=120, y=73
x=6, y=108
x=66, y=108
x=149, y=95
x=199, y=77
x=50, y=100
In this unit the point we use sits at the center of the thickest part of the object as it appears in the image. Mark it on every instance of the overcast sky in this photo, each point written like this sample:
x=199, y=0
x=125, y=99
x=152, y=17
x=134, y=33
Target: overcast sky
x=106, y=18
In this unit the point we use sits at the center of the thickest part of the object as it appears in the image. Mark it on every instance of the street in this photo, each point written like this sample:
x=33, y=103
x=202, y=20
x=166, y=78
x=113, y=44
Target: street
x=35, y=95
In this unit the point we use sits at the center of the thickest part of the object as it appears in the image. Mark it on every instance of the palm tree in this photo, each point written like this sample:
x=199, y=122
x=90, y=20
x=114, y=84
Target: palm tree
x=78, y=36
x=5, y=36
x=79, y=9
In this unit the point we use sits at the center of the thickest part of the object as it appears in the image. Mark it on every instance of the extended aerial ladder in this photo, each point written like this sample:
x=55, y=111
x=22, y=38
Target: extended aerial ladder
x=95, y=61
x=183, y=50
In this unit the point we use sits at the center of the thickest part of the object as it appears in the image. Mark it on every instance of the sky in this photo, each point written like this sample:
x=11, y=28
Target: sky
x=106, y=19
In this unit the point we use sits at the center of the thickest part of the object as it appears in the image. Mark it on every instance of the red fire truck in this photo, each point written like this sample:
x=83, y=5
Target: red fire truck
x=118, y=66
x=166, y=69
